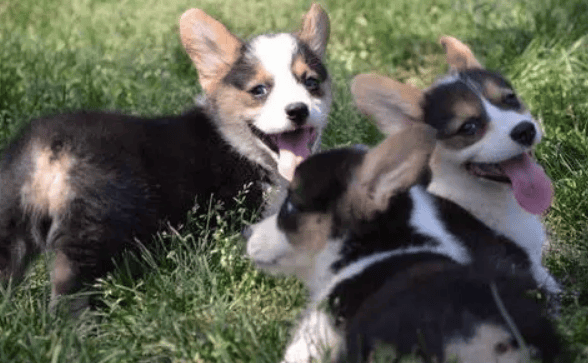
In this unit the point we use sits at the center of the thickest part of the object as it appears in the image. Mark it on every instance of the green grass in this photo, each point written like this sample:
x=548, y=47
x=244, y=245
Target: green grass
x=202, y=301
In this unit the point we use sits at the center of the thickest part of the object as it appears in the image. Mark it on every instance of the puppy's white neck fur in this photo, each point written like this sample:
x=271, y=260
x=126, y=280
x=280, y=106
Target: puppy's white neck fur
x=322, y=273
x=424, y=219
x=492, y=203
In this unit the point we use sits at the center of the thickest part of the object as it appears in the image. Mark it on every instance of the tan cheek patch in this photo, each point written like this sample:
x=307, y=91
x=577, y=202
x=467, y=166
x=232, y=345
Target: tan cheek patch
x=312, y=233
x=48, y=189
x=235, y=105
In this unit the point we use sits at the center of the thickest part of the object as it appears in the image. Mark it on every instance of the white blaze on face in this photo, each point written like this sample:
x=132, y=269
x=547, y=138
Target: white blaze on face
x=275, y=54
x=502, y=123
x=497, y=144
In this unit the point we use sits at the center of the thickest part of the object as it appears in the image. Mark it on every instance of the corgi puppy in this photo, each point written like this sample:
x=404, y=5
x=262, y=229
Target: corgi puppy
x=88, y=185
x=483, y=160
x=360, y=229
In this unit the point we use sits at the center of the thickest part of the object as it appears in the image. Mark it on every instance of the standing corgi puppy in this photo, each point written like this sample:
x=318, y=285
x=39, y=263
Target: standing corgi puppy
x=485, y=138
x=387, y=262
x=86, y=185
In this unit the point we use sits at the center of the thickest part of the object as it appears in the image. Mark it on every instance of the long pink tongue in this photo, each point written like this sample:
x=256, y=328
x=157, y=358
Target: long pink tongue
x=296, y=141
x=293, y=149
x=531, y=186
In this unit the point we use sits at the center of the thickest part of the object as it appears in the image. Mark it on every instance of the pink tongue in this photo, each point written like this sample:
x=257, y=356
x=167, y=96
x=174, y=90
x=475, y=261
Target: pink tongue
x=296, y=141
x=293, y=150
x=532, y=188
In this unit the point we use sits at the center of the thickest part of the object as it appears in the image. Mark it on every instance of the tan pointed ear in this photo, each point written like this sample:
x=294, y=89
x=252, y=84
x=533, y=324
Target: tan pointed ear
x=390, y=168
x=315, y=30
x=459, y=55
x=392, y=104
x=210, y=45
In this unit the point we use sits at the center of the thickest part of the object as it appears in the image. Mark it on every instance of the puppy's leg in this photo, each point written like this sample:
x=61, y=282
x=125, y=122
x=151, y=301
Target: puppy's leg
x=17, y=247
x=315, y=339
x=65, y=279
x=84, y=244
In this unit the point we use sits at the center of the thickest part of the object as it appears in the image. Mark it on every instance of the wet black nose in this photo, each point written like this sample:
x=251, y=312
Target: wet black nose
x=524, y=133
x=297, y=112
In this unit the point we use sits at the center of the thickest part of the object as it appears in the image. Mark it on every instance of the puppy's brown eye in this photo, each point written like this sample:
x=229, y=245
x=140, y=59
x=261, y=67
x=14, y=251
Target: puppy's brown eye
x=288, y=208
x=259, y=91
x=311, y=83
x=511, y=100
x=287, y=220
x=470, y=127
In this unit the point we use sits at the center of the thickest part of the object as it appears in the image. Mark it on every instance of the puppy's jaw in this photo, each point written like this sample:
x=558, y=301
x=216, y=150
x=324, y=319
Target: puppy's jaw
x=271, y=251
x=486, y=100
x=306, y=253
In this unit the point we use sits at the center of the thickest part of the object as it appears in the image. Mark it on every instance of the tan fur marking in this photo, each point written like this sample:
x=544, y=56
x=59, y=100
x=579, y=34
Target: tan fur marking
x=211, y=46
x=300, y=68
x=48, y=189
x=462, y=110
x=234, y=109
x=459, y=55
x=491, y=343
x=495, y=94
x=236, y=105
x=312, y=232
x=62, y=275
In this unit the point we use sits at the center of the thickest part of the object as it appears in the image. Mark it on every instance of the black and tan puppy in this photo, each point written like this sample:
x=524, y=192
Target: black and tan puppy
x=87, y=185
x=387, y=263
x=389, y=258
x=483, y=158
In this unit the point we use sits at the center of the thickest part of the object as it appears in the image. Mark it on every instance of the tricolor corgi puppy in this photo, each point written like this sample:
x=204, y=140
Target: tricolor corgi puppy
x=87, y=185
x=369, y=241
x=483, y=159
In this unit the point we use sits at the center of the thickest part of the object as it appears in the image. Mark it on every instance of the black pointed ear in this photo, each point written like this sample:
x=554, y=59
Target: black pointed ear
x=459, y=55
x=315, y=30
x=211, y=46
x=392, y=104
x=390, y=168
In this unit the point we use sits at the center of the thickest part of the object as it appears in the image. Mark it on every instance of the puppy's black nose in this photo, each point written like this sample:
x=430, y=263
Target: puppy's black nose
x=297, y=112
x=524, y=133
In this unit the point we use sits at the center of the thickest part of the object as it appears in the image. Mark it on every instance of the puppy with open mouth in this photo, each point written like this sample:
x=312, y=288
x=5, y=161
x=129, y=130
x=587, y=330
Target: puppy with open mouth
x=387, y=259
x=485, y=139
x=85, y=186
x=388, y=263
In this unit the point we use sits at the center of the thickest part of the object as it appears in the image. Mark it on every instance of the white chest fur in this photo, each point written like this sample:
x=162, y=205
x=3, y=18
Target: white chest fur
x=498, y=209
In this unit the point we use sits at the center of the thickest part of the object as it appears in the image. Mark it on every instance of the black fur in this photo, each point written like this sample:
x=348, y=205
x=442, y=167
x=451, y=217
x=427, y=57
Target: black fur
x=243, y=70
x=413, y=301
x=420, y=312
x=128, y=176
